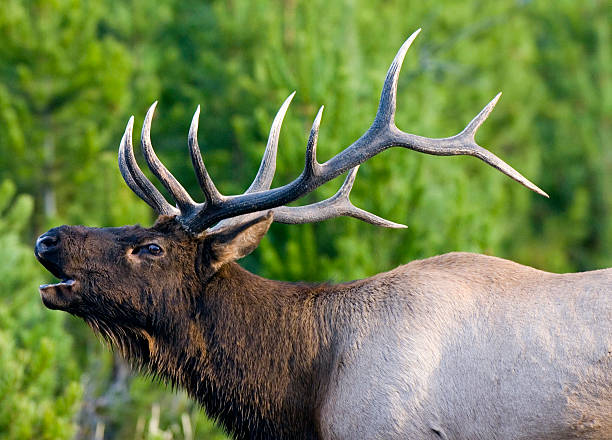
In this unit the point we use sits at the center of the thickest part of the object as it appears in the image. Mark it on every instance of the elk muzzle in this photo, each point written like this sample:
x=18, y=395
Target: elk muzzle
x=58, y=296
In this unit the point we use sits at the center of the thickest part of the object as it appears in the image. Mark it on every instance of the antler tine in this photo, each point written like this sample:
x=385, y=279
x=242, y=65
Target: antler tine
x=179, y=194
x=336, y=206
x=381, y=135
x=123, y=165
x=486, y=156
x=135, y=178
x=470, y=129
x=312, y=167
x=385, y=116
x=461, y=144
x=208, y=187
x=265, y=175
x=310, y=170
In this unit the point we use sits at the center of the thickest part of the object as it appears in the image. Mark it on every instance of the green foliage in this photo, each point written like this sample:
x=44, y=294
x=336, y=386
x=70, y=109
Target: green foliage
x=38, y=376
x=66, y=75
x=70, y=71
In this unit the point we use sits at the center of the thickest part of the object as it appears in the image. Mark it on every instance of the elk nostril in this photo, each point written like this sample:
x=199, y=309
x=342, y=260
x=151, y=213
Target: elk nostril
x=47, y=241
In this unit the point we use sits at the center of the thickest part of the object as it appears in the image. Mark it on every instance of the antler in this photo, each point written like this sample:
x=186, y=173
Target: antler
x=336, y=206
x=381, y=135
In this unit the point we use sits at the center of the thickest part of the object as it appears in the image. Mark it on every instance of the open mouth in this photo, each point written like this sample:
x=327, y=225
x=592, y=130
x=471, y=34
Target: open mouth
x=63, y=284
x=57, y=296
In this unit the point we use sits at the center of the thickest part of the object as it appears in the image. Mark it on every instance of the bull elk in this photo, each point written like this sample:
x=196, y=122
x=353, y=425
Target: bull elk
x=458, y=346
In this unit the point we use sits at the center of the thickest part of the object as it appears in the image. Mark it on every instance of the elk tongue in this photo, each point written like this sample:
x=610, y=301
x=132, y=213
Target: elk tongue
x=57, y=296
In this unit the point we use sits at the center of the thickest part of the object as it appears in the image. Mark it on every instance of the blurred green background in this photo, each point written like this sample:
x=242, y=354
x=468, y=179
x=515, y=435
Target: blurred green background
x=73, y=71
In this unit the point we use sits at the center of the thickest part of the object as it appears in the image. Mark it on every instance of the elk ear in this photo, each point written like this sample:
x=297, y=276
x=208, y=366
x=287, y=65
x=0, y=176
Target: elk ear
x=237, y=241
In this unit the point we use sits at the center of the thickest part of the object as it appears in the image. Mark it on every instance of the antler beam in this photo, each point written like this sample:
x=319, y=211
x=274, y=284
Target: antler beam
x=336, y=206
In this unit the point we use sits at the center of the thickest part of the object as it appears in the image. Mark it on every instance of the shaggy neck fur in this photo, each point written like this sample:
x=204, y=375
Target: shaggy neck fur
x=254, y=353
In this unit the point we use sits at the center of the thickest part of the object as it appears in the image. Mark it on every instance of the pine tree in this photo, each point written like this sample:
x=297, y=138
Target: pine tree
x=39, y=378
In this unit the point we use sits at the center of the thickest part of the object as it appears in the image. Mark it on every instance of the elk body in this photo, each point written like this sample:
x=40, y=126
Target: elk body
x=459, y=346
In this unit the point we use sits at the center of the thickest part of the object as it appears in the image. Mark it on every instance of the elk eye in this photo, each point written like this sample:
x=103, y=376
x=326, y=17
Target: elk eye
x=151, y=249
x=154, y=249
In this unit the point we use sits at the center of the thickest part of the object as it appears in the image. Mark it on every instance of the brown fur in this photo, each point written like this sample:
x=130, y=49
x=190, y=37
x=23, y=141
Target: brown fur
x=250, y=350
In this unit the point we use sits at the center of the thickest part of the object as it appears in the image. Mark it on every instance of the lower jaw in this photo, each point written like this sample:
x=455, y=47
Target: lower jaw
x=51, y=304
x=58, y=296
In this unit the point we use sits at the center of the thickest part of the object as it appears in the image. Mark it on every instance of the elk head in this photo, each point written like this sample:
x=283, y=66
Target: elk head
x=133, y=282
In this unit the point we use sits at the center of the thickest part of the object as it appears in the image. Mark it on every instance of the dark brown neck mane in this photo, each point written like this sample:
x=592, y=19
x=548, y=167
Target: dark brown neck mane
x=253, y=353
